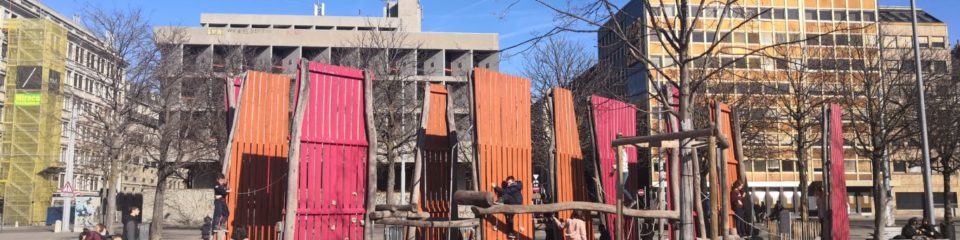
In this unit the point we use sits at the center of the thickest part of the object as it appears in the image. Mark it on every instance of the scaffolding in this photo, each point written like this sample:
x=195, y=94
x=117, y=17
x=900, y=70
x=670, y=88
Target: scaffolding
x=29, y=164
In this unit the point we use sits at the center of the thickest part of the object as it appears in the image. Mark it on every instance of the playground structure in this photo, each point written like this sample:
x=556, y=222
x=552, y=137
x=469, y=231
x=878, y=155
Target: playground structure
x=328, y=144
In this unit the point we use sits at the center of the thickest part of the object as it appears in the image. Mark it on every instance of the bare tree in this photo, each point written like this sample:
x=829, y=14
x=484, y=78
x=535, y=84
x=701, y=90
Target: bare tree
x=674, y=31
x=389, y=56
x=942, y=113
x=180, y=96
x=126, y=32
x=555, y=62
x=880, y=108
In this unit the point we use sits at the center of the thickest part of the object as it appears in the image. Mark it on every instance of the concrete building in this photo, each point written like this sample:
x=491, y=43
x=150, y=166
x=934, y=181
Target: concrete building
x=773, y=173
x=91, y=68
x=896, y=41
x=276, y=43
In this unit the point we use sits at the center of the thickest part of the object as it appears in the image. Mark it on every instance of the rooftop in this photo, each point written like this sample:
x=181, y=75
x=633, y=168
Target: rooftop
x=902, y=14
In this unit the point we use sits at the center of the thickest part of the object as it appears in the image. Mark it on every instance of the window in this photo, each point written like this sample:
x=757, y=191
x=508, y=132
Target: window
x=900, y=166
x=924, y=42
x=793, y=14
x=759, y=165
x=781, y=37
x=749, y=12
x=937, y=42
x=737, y=12
x=813, y=64
x=855, y=16
x=812, y=39
x=843, y=40
x=840, y=16
x=753, y=63
x=741, y=63
x=711, y=37
x=740, y=37
x=789, y=166
x=773, y=165
x=856, y=40
x=780, y=13
x=766, y=13
x=826, y=15
x=753, y=38
x=868, y=16
x=697, y=36
x=810, y=15
x=826, y=40
x=710, y=12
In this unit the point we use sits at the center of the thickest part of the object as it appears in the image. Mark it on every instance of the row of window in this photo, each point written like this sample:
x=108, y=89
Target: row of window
x=907, y=42
x=766, y=13
x=94, y=61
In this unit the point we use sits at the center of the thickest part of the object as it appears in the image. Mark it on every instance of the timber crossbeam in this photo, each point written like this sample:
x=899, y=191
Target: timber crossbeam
x=583, y=206
x=431, y=224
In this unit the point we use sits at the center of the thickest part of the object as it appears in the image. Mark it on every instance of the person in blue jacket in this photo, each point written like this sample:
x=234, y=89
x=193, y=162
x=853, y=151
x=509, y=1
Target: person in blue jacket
x=511, y=194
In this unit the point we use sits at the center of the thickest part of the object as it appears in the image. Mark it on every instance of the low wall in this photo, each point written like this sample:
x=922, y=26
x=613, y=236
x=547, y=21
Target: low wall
x=182, y=207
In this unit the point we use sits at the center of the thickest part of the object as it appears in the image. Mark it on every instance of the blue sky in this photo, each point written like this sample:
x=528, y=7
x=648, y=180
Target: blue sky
x=514, y=24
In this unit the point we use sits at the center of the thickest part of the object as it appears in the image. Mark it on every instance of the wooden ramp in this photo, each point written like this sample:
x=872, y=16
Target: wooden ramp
x=502, y=107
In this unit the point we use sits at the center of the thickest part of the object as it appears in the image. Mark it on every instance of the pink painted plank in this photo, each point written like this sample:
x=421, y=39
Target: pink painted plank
x=838, y=179
x=333, y=155
x=612, y=117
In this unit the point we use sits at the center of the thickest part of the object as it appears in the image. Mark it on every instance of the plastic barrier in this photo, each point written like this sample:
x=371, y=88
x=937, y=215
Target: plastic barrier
x=333, y=154
x=612, y=117
x=257, y=166
x=502, y=105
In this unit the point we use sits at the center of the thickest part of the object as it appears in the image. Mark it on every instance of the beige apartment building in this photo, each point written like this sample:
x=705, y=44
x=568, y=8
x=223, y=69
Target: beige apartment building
x=826, y=39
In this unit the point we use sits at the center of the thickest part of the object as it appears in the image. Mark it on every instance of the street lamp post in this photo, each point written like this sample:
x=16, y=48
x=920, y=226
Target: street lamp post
x=922, y=111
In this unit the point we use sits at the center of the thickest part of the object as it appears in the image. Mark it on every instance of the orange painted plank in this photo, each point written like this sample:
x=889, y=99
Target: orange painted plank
x=436, y=157
x=258, y=158
x=571, y=168
x=726, y=127
x=503, y=143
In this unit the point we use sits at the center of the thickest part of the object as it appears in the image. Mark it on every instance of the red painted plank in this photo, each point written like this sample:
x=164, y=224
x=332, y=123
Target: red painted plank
x=838, y=180
x=503, y=143
x=612, y=117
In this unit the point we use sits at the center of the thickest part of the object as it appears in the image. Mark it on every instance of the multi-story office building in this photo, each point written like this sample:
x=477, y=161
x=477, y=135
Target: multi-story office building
x=896, y=41
x=91, y=70
x=276, y=43
x=827, y=39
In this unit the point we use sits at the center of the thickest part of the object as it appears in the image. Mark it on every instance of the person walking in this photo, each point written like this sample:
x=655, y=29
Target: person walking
x=629, y=200
x=131, y=226
x=574, y=228
x=511, y=194
x=94, y=234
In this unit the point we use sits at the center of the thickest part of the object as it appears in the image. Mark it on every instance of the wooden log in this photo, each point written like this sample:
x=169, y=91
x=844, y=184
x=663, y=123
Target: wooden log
x=395, y=208
x=407, y=215
x=371, y=153
x=431, y=224
x=583, y=206
x=293, y=159
x=474, y=198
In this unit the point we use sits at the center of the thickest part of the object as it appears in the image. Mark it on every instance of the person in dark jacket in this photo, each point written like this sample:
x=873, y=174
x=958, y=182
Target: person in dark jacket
x=928, y=230
x=131, y=225
x=206, y=229
x=511, y=194
x=911, y=230
x=220, y=210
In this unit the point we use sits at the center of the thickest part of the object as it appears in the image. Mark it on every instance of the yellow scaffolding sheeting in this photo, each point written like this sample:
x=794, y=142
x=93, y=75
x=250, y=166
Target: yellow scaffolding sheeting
x=29, y=164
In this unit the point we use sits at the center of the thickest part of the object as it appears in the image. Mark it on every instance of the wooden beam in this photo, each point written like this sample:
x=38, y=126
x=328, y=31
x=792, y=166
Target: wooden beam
x=371, y=153
x=378, y=215
x=431, y=224
x=293, y=159
x=396, y=208
x=585, y=206
x=474, y=198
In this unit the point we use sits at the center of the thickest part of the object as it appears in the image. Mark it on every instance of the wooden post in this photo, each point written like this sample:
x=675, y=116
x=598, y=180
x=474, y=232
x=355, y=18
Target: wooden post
x=293, y=158
x=371, y=155
x=723, y=197
x=714, y=188
x=742, y=170
x=620, y=159
x=598, y=186
x=227, y=153
x=702, y=230
x=455, y=146
x=418, y=160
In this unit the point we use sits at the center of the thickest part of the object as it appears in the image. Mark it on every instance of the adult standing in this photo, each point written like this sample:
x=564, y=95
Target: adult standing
x=737, y=202
x=131, y=225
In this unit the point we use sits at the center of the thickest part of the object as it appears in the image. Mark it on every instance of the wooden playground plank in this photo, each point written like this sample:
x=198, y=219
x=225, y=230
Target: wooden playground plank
x=612, y=117
x=436, y=157
x=571, y=181
x=333, y=155
x=258, y=158
x=504, y=148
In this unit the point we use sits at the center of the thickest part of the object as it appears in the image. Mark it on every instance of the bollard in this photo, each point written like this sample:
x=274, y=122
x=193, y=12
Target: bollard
x=56, y=226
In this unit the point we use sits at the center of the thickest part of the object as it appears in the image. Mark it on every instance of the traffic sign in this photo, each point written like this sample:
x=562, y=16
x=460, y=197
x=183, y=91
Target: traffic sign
x=66, y=190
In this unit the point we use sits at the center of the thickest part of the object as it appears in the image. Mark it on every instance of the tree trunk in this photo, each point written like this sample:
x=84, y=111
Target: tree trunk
x=391, y=175
x=110, y=216
x=947, y=207
x=804, y=182
x=156, y=222
x=879, y=200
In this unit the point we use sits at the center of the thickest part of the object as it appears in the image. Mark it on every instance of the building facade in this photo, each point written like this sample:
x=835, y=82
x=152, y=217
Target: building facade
x=91, y=68
x=233, y=43
x=781, y=48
